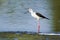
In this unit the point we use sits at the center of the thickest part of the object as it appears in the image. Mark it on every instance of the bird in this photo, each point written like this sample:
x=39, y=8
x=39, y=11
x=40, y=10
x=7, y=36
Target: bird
x=37, y=16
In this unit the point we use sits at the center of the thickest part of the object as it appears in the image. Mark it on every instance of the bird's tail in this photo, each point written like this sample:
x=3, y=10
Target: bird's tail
x=48, y=18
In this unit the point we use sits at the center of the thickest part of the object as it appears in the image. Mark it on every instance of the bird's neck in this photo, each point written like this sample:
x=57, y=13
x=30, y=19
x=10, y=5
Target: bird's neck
x=32, y=12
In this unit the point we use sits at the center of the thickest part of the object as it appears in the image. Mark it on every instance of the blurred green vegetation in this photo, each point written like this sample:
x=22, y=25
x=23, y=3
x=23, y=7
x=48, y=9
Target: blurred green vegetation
x=2, y=1
x=21, y=36
x=11, y=36
x=56, y=15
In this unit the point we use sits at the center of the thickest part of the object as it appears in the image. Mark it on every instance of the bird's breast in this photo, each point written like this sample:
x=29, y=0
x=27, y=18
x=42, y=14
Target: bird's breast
x=35, y=16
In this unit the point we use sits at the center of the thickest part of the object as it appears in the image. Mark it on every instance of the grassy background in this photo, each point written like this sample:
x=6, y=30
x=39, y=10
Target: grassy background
x=14, y=36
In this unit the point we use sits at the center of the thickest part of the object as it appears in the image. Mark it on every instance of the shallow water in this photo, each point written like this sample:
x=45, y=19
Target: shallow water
x=13, y=18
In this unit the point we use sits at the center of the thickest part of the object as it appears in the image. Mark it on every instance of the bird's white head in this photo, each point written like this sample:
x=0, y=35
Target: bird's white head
x=30, y=10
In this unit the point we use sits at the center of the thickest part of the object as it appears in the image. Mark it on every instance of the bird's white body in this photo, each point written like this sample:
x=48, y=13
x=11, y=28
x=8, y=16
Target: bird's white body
x=33, y=14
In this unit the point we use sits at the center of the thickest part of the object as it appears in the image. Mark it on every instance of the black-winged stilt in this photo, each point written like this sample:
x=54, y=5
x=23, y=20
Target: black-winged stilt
x=37, y=16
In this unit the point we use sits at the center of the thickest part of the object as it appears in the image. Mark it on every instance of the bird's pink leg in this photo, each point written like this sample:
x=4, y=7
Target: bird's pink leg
x=38, y=26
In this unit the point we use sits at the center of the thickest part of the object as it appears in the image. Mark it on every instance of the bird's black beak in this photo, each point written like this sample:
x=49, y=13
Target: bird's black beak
x=26, y=12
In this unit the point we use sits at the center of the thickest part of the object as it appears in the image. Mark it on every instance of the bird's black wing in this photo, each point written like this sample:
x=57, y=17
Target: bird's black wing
x=40, y=15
